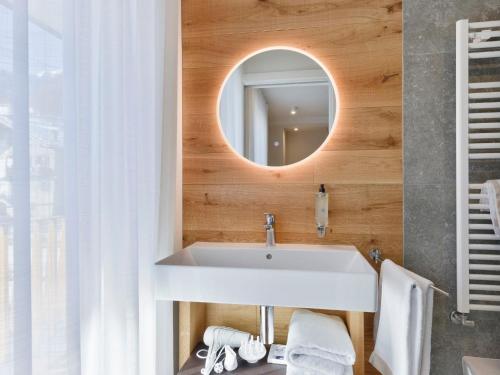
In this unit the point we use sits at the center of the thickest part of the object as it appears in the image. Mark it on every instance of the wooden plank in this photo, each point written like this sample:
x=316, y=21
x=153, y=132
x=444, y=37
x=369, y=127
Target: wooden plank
x=356, y=326
x=360, y=43
x=216, y=18
x=352, y=132
x=328, y=43
x=242, y=317
x=359, y=167
x=228, y=168
x=360, y=209
x=359, y=85
x=350, y=167
x=192, y=323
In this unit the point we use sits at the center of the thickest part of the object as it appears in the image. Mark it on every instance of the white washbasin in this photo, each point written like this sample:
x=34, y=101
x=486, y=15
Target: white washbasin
x=316, y=276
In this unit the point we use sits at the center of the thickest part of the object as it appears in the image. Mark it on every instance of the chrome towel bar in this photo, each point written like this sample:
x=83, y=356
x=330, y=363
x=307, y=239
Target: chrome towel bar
x=376, y=256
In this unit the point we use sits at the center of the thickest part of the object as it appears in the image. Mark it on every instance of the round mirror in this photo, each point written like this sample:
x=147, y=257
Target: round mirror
x=277, y=107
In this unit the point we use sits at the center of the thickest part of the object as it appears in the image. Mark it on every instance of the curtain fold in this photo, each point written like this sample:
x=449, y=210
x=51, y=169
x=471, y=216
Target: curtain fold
x=81, y=124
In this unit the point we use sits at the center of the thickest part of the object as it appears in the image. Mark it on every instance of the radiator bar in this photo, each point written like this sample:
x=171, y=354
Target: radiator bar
x=484, y=115
x=484, y=95
x=477, y=307
x=484, y=85
x=483, y=24
x=484, y=135
x=484, y=125
x=484, y=267
x=485, y=155
x=481, y=277
x=484, y=105
x=485, y=287
x=484, y=297
x=484, y=146
x=483, y=246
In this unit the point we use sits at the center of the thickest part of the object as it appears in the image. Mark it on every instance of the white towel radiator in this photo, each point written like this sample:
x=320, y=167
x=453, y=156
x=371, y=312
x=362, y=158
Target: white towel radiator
x=478, y=141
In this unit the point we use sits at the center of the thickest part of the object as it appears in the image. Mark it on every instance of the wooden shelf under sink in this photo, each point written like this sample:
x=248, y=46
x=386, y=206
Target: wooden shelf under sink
x=194, y=364
x=195, y=317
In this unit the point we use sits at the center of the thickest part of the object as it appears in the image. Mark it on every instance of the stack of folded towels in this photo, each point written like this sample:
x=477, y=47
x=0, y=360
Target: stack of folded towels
x=318, y=344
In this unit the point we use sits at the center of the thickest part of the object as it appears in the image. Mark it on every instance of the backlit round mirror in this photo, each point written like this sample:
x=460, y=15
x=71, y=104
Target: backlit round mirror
x=277, y=107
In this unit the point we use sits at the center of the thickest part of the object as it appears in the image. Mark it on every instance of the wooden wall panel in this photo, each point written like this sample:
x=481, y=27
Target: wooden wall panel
x=360, y=42
x=247, y=318
x=192, y=323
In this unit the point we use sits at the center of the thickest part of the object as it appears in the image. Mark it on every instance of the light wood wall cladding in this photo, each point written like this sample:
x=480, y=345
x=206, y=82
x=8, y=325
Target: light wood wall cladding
x=360, y=42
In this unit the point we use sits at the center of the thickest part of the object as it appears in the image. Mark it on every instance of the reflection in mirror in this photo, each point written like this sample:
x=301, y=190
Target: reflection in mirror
x=277, y=107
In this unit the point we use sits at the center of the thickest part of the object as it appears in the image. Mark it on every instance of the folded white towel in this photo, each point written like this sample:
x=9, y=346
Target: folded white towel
x=491, y=190
x=403, y=323
x=292, y=370
x=318, y=344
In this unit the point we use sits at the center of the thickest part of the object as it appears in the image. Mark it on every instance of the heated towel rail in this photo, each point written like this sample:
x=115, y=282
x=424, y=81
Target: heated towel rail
x=478, y=142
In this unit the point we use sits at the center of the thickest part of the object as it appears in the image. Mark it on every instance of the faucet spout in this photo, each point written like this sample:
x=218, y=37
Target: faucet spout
x=269, y=227
x=270, y=240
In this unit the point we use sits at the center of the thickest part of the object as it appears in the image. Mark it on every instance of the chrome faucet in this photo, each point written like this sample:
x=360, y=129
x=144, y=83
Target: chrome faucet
x=269, y=227
x=267, y=312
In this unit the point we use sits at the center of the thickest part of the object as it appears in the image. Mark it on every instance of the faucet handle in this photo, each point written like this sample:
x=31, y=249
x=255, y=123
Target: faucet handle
x=269, y=218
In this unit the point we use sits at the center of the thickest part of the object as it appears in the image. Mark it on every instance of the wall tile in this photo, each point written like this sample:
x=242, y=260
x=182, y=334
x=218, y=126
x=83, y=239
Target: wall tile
x=429, y=171
x=429, y=118
x=429, y=25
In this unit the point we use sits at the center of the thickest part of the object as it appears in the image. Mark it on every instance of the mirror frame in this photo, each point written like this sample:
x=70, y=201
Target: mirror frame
x=273, y=48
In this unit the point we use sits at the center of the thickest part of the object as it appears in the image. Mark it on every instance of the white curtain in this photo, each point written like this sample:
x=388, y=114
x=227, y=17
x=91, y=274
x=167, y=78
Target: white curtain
x=81, y=116
x=256, y=125
x=231, y=111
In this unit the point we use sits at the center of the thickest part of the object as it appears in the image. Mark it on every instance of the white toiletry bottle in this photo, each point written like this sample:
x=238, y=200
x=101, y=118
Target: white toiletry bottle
x=321, y=211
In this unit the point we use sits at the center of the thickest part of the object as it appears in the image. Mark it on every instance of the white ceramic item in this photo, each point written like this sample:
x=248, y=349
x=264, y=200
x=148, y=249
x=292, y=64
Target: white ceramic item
x=252, y=351
x=316, y=276
x=230, y=360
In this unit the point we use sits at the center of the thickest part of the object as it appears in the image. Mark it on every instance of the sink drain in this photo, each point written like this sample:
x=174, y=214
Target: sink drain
x=269, y=256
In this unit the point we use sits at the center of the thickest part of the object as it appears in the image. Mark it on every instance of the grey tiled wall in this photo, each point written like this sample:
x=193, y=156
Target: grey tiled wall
x=429, y=170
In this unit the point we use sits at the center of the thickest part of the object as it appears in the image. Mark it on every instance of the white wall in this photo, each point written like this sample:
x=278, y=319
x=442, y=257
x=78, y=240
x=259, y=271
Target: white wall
x=276, y=155
x=303, y=143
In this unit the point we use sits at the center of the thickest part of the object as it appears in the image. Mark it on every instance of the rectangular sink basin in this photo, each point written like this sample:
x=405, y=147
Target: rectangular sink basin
x=332, y=277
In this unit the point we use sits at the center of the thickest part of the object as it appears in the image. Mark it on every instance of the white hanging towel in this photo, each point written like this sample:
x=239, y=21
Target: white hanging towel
x=491, y=189
x=403, y=322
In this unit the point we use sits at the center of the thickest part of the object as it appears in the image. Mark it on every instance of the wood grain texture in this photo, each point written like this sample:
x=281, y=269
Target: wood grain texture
x=360, y=43
x=192, y=323
x=356, y=326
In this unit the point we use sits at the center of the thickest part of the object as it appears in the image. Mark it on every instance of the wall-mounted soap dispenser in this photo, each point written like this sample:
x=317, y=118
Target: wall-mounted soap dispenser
x=321, y=211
